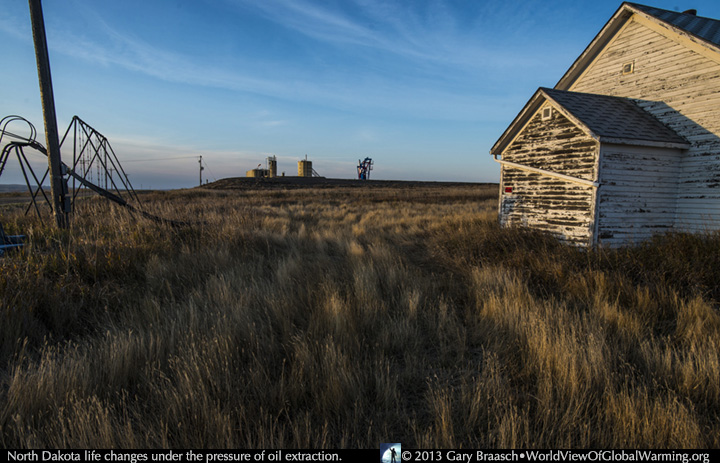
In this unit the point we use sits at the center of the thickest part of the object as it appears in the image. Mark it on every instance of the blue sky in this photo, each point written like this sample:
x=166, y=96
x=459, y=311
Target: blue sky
x=423, y=87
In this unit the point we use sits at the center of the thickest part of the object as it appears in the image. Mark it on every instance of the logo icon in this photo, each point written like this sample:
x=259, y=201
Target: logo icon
x=390, y=453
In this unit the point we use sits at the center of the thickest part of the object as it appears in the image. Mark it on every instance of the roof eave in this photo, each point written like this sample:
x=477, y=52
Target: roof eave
x=522, y=119
x=606, y=34
x=648, y=143
x=517, y=124
x=705, y=45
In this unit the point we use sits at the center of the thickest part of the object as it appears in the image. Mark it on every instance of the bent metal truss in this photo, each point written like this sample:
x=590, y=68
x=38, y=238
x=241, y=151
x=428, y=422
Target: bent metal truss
x=94, y=167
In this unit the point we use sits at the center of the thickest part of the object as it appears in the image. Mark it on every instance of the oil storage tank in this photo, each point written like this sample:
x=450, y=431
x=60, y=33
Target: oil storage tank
x=305, y=168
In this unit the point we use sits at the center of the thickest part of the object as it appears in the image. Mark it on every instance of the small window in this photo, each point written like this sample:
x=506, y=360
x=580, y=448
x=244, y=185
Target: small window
x=628, y=68
x=547, y=113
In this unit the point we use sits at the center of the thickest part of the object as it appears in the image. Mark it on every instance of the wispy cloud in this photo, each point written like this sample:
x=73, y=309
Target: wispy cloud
x=370, y=91
x=373, y=25
x=267, y=119
x=417, y=59
x=13, y=25
x=421, y=31
x=123, y=49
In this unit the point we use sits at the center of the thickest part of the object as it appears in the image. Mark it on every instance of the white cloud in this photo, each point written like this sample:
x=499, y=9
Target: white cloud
x=437, y=71
x=432, y=37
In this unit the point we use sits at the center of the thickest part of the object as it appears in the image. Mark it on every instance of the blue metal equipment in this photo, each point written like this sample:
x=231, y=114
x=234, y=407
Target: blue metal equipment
x=364, y=168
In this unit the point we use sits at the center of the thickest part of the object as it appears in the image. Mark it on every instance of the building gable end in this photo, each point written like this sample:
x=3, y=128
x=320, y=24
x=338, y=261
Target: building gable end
x=626, y=14
x=531, y=109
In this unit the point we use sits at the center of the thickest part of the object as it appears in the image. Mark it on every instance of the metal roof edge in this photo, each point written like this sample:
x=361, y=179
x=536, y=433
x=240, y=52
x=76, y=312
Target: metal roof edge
x=638, y=8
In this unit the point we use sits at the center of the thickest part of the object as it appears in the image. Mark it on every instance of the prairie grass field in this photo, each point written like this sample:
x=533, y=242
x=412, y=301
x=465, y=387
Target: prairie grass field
x=345, y=317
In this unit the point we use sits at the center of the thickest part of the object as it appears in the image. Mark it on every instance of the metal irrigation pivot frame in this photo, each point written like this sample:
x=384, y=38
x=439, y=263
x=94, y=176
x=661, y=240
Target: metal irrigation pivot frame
x=57, y=185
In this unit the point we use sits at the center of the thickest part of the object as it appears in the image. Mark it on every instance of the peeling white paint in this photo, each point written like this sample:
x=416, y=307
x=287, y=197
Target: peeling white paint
x=644, y=188
x=681, y=88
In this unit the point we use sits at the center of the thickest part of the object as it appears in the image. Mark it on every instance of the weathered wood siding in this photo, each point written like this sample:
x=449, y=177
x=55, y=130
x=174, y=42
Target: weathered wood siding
x=681, y=87
x=547, y=203
x=638, y=193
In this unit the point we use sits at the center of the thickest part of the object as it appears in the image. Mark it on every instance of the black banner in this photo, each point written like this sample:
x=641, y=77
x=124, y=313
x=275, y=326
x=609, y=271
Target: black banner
x=384, y=454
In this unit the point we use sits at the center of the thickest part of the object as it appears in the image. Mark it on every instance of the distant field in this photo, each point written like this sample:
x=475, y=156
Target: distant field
x=10, y=195
x=12, y=188
x=346, y=315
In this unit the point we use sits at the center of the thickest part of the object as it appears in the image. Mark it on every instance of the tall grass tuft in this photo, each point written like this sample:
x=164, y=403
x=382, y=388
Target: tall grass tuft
x=347, y=317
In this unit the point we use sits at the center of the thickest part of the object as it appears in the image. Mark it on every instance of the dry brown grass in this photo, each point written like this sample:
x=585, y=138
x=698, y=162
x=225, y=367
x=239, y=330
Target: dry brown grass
x=344, y=318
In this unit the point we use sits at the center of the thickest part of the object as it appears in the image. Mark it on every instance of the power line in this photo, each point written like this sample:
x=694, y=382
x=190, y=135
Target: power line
x=209, y=170
x=158, y=160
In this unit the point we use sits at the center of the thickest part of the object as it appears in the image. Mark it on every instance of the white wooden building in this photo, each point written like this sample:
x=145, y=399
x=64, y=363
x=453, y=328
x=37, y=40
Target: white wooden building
x=627, y=144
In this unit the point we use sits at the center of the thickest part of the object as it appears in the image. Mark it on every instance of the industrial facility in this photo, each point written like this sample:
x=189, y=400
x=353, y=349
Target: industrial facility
x=305, y=169
x=270, y=170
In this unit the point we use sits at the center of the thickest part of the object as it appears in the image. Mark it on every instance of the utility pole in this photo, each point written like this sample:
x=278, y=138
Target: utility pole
x=52, y=141
x=201, y=169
